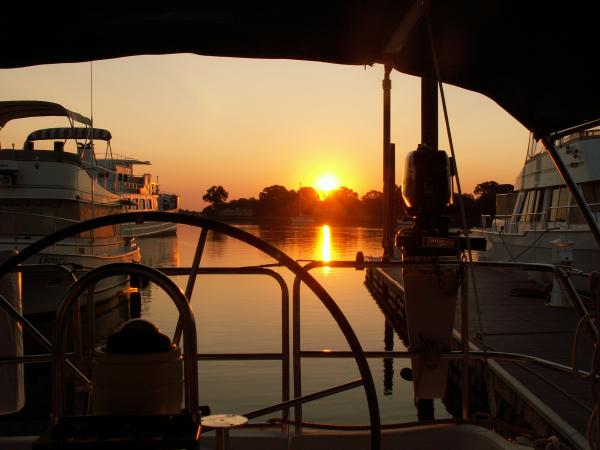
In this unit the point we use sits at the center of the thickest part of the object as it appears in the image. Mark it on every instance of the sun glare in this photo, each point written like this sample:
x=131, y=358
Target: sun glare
x=326, y=183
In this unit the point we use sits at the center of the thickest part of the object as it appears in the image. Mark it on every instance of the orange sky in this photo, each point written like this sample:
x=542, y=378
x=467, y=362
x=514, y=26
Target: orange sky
x=248, y=124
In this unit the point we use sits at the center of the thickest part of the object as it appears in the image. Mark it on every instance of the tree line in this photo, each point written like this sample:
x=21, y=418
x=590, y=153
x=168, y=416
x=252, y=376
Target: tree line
x=340, y=205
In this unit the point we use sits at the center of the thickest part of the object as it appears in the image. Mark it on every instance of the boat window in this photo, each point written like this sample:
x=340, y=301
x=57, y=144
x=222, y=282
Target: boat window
x=523, y=210
x=539, y=207
x=591, y=192
x=536, y=206
x=559, y=204
x=531, y=206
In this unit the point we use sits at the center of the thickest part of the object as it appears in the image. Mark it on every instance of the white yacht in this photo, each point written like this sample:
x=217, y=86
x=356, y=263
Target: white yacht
x=540, y=221
x=45, y=189
x=115, y=173
x=139, y=193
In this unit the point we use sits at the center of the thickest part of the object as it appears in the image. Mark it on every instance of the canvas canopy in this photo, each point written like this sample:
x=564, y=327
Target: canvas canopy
x=11, y=110
x=535, y=59
x=70, y=133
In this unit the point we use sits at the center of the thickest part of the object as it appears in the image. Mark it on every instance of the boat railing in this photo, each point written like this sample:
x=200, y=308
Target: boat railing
x=115, y=184
x=578, y=136
x=555, y=217
x=465, y=354
x=566, y=216
x=513, y=223
x=128, y=186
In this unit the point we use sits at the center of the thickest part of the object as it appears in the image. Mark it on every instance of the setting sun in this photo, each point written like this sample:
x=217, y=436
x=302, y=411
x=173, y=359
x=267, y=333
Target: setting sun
x=326, y=183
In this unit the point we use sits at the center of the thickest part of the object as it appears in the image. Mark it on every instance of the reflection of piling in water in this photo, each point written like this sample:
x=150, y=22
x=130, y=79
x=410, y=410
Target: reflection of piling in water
x=388, y=363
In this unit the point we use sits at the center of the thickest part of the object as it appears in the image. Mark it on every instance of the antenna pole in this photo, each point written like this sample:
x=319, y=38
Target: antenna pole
x=92, y=101
x=388, y=168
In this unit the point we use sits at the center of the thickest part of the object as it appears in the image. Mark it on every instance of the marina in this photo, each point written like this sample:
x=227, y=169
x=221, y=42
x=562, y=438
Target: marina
x=282, y=334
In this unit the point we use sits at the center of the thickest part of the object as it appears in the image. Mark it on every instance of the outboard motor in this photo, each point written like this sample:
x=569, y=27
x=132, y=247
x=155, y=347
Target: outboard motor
x=12, y=386
x=426, y=185
x=430, y=285
x=139, y=371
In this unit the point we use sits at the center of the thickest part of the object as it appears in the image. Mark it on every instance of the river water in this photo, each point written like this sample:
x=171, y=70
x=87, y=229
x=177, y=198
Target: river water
x=236, y=314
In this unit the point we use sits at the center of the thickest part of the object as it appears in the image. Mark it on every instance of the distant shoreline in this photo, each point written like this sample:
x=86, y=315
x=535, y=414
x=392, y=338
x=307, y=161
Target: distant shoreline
x=279, y=220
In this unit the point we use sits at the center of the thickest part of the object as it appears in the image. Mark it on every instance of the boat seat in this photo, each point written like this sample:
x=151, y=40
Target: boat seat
x=121, y=432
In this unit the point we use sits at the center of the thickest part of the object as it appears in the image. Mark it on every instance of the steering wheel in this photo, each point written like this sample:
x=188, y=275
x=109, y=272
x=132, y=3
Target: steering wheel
x=163, y=281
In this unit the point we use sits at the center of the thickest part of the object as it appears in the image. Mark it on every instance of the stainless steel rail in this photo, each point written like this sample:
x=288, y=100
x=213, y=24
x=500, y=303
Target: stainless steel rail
x=465, y=354
x=183, y=307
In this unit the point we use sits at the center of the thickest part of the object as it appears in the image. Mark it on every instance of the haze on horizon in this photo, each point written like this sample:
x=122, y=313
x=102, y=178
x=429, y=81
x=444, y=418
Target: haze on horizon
x=247, y=124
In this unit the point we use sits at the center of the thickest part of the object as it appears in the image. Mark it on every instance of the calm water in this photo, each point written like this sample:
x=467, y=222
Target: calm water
x=243, y=314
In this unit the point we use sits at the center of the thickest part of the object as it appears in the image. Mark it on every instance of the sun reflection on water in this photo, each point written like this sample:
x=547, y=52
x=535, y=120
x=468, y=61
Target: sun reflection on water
x=326, y=245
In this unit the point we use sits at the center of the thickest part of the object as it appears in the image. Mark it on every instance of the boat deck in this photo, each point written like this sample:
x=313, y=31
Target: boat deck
x=515, y=318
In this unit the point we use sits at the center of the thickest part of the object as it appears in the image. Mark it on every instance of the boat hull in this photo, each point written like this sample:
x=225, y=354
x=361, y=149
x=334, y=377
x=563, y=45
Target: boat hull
x=45, y=284
x=536, y=247
x=150, y=229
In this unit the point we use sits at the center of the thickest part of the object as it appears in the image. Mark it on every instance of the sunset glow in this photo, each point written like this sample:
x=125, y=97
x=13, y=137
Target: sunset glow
x=326, y=183
x=332, y=121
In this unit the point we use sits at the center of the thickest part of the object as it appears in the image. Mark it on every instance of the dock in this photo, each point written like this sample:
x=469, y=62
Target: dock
x=510, y=313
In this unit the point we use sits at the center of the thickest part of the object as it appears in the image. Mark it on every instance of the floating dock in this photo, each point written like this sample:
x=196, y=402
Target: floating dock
x=510, y=313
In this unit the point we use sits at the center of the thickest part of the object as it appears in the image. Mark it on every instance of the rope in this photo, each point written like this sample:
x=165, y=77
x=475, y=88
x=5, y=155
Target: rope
x=592, y=318
x=529, y=247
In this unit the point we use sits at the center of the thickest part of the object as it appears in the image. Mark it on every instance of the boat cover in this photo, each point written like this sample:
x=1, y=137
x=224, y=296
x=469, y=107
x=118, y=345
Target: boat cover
x=535, y=59
x=21, y=109
x=70, y=133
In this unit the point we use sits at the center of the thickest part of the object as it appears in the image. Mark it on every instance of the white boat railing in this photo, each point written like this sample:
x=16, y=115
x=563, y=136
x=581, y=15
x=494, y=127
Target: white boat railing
x=578, y=136
x=541, y=221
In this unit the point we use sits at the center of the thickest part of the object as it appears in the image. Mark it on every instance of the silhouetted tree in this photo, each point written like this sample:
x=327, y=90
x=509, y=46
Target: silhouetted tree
x=243, y=207
x=276, y=200
x=342, y=202
x=372, y=203
x=485, y=194
x=492, y=188
x=471, y=211
x=216, y=196
x=307, y=198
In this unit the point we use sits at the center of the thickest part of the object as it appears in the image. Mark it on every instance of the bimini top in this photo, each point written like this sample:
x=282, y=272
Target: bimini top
x=70, y=133
x=535, y=59
x=21, y=109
